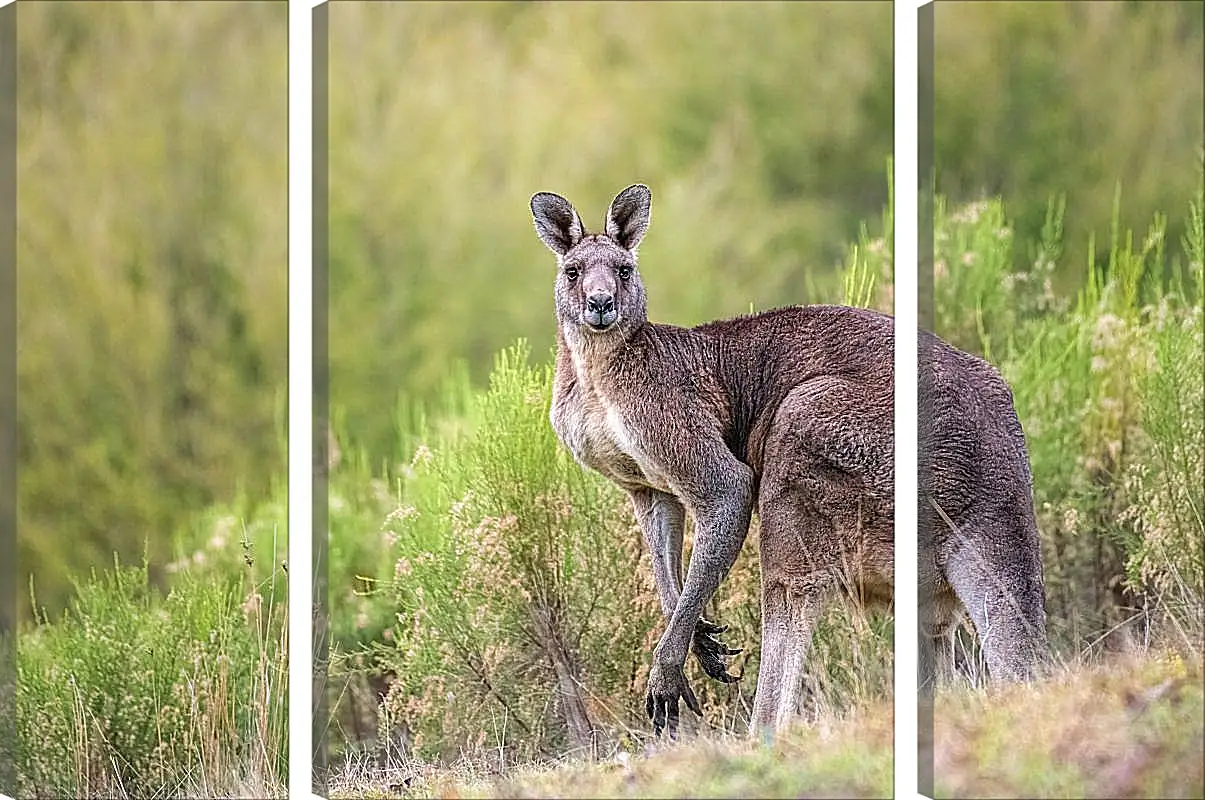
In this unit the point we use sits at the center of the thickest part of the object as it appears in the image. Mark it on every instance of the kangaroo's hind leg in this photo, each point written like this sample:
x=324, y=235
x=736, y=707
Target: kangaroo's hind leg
x=822, y=526
x=788, y=620
x=994, y=567
x=796, y=581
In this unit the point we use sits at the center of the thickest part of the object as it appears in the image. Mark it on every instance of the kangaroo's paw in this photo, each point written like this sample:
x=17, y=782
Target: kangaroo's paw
x=711, y=652
x=667, y=684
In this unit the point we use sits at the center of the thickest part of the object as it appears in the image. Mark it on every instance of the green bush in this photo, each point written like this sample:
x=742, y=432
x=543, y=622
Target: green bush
x=1163, y=482
x=131, y=693
x=515, y=571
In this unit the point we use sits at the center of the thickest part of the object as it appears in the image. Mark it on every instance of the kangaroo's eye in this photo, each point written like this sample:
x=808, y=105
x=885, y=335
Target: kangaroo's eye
x=571, y=273
x=625, y=272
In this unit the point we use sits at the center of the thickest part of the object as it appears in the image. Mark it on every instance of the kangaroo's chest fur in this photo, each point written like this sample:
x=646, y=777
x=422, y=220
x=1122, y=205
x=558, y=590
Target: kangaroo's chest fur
x=599, y=429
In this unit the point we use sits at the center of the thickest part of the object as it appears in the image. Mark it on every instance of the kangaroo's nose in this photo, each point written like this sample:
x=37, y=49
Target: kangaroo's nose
x=600, y=304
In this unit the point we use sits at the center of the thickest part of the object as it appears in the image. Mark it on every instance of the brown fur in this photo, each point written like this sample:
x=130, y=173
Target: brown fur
x=790, y=410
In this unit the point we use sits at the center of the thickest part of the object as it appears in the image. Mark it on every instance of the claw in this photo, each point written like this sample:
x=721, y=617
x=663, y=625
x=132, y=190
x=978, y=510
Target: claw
x=710, y=651
x=717, y=647
x=667, y=685
x=692, y=702
x=720, y=673
x=709, y=627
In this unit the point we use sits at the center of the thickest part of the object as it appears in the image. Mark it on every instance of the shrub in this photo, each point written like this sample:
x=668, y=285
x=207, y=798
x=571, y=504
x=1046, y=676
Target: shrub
x=131, y=693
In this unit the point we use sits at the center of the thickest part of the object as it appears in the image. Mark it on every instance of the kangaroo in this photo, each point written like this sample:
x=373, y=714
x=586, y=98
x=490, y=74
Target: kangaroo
x=790, y=412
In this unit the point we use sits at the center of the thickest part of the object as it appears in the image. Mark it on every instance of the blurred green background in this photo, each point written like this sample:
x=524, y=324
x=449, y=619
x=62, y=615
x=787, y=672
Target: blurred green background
x=763, y=130
x=152, y=275
x=153, y=178
x=1034, y=100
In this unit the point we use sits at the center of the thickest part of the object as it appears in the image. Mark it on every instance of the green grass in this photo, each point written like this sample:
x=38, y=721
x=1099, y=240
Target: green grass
x=133, y=693
x=846, y=757
x=1130, y=727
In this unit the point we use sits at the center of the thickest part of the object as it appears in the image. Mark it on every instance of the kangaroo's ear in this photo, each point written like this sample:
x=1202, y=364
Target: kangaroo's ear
x=628, y=216
x=557, y=223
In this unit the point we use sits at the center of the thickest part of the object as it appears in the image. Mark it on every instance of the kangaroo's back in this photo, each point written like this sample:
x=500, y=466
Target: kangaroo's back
x=969, y=432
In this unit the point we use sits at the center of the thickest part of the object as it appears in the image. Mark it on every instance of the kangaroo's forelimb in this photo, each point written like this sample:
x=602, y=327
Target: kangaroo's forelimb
x=662, y=518
x=720, y=496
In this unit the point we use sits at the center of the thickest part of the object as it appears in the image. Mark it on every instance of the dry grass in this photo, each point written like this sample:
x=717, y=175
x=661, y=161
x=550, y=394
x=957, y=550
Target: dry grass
x=848, y=756
x=133, y=694
x=1131, y=727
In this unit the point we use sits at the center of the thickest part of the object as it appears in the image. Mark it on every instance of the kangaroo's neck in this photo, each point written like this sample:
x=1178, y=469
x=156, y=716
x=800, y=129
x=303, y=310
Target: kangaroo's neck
x=590, y=358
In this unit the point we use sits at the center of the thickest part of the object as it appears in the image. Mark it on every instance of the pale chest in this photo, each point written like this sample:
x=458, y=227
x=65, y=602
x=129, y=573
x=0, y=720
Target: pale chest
x=602, y=438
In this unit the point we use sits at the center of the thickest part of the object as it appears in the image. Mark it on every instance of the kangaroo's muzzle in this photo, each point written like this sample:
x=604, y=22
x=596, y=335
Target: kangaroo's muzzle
x=600, y=311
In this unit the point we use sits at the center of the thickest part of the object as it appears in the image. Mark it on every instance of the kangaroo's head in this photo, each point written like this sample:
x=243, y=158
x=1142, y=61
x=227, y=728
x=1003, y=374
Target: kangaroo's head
x=598, y=289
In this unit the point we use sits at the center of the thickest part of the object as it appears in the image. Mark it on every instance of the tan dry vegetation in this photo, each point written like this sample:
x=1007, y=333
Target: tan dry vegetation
x=838, y=756
x=1120, y=728
x=1124, y=727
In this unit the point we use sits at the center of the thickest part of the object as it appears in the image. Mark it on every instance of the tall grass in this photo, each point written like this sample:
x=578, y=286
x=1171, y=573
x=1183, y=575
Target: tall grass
x=134, y=694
